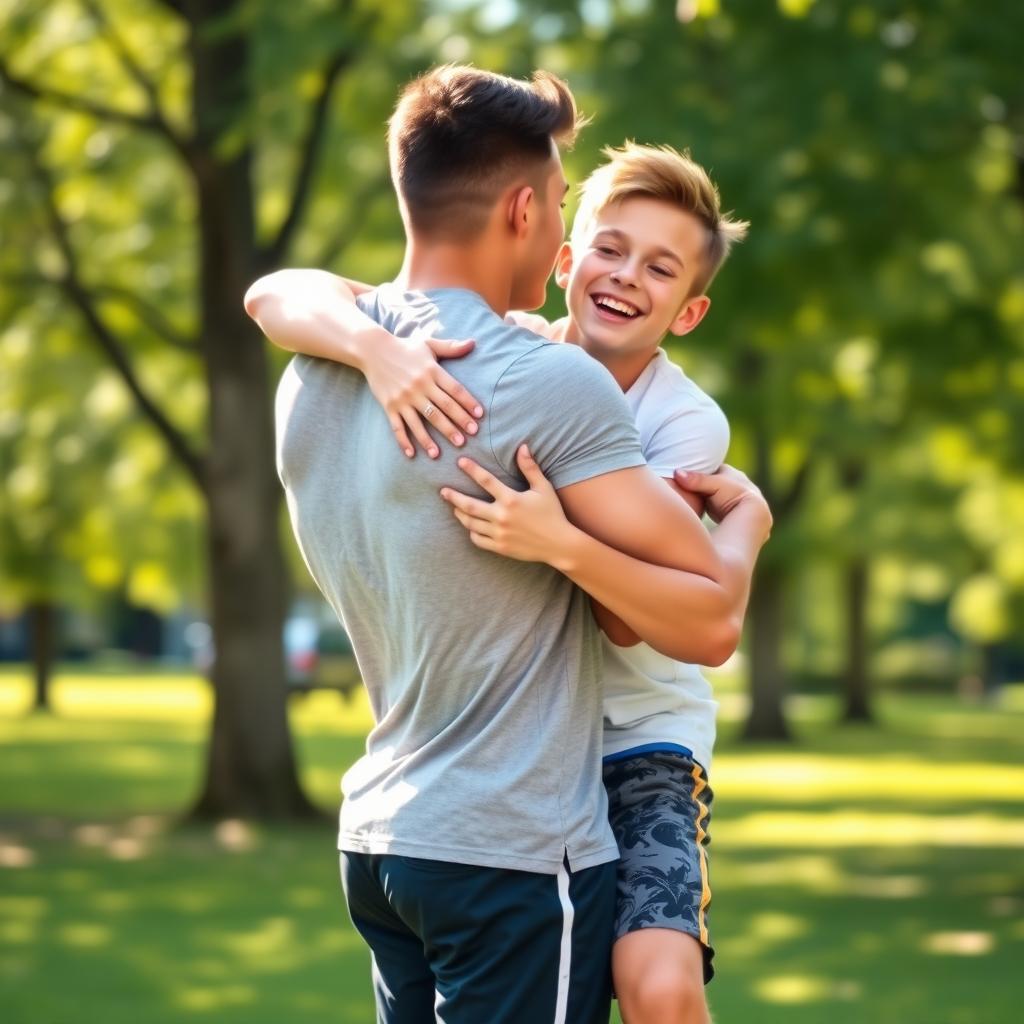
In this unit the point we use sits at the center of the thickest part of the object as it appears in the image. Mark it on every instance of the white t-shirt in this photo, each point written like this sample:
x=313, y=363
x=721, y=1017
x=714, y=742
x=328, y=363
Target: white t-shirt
x=651, y=701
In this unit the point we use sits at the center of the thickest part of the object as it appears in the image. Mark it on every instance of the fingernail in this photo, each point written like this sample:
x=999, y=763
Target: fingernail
x=463, y=463
x=458, y=439
x=409, y=452
x=444, y=492
x=434, y=453
x=478, y=410
x=471, y=427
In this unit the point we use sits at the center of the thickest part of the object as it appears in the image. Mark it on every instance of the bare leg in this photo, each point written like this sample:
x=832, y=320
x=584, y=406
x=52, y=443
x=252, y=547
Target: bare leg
x=659, y=978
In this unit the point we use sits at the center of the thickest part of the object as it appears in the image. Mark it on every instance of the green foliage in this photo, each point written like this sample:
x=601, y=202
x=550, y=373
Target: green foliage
x=875, y=311
x=867, y=341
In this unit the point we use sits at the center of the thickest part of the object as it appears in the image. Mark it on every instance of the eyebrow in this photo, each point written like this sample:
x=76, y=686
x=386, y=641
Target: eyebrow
x=660, y=251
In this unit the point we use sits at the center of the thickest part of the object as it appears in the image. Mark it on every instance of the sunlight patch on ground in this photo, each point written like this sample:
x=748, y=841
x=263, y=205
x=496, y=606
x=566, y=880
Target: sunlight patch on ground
x=205, y=998
x=84, y=934
x=235, y=835
x=183, y=698
x=14, y=855
x=801, y=777
x=326, y=712
x=109, y=902
x=765, y=932
x=857, y=828
x=19, y=933
x=824, y=876
x=959, y=943
x=1011, y=698
x=163, y=697
x=793, y=989
x=266, y=940
x=887, y=887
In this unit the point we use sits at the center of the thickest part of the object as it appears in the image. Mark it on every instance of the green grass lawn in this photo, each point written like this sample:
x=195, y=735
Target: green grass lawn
x=861, y=875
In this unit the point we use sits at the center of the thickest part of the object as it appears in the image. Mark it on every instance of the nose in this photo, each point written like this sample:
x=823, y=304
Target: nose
x=624, y=275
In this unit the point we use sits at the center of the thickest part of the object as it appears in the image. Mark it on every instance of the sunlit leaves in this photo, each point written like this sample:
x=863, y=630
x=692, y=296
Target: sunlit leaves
x=979, y=609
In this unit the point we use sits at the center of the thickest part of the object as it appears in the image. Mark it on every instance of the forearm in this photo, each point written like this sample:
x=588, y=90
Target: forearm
x=683, y=615
x=313, y=312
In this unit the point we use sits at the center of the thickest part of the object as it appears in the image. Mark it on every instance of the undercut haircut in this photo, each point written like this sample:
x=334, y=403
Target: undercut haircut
x=460, y=136
x=670, y=176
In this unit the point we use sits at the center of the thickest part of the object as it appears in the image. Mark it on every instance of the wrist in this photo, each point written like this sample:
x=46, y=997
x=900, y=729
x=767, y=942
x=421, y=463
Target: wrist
x=753, y=513
x=568, y=553
x=369, y=345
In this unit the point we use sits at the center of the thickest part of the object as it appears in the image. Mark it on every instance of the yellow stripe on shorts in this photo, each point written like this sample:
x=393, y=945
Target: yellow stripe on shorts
x=699, y=785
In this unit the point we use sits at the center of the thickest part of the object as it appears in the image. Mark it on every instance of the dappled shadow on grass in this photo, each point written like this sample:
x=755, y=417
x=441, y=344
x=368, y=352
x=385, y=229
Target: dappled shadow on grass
x=202, y=925
x=859, y=875
x=890, y=936
x=135, y=745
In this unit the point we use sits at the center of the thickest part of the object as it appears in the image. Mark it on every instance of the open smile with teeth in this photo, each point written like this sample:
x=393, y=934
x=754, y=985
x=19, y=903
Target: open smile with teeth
x=615, y=308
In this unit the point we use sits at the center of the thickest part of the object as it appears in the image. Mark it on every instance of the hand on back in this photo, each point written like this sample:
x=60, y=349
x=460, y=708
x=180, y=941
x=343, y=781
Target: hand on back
x=406, y=378
x=529, y=526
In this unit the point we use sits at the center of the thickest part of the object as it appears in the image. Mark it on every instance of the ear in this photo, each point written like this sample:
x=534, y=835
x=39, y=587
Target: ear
x=690, y=315
x=563, y=266
x=520, y=209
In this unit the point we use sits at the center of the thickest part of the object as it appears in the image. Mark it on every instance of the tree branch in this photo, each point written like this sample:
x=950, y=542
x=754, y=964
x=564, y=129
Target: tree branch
x=146, y=311
x=72, y=285
x=148, y=122
x=128, y=62
x=309, y=153
x=150, y=315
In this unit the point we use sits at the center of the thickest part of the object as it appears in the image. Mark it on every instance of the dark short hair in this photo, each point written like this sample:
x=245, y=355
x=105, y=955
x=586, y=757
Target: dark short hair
x=459, y=136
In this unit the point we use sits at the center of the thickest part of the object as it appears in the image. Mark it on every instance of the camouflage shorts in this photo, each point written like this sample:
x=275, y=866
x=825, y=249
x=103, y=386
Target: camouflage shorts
x=659, y=805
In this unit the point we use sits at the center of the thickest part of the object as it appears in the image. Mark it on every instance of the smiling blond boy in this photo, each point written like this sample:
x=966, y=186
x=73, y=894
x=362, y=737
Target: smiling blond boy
x=648, y=238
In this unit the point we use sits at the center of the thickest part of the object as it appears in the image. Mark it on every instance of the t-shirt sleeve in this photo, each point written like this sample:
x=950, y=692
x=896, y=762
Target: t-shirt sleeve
x=696, y=439
x=569, y=410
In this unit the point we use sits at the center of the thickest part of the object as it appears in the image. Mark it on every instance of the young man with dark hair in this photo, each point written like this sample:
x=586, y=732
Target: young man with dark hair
x=476, y=855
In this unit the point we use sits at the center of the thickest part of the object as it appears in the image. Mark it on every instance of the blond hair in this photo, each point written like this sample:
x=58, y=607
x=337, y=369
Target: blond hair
x=665, y=174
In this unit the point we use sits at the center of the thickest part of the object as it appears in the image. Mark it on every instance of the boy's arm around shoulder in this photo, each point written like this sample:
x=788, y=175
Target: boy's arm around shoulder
x=635, y=545
x=692, y=435
x=644, y=555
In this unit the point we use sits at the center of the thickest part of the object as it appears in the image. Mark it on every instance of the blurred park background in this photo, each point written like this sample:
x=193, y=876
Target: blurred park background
x=176, y=706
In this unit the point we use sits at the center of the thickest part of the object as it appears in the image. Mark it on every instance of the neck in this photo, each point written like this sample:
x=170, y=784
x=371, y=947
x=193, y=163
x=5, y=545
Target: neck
x=626, y=369
x=475, y=267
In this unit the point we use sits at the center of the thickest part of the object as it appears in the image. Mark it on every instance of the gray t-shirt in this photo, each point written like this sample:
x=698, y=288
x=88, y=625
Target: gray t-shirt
x=483, y=672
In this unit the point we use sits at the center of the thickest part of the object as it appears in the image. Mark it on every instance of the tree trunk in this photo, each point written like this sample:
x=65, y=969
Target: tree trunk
x=251, y=768
x=42, y=622
x=767, y=719
x=856, y=688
